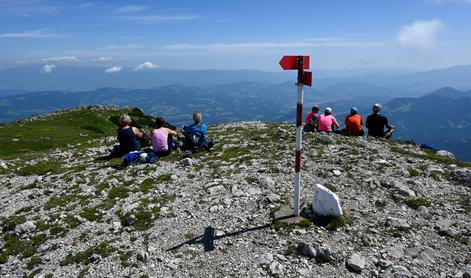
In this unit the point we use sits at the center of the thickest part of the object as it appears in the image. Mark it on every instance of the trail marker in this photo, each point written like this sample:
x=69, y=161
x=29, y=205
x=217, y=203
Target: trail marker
x=299, y=63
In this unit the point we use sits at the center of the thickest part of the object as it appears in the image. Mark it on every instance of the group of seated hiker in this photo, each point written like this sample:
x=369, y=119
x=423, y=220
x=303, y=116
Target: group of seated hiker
x=377, y=124
x=161, y=139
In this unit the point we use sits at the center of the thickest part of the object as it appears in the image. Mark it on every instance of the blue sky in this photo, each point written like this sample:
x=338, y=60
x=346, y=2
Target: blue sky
x=243, y=34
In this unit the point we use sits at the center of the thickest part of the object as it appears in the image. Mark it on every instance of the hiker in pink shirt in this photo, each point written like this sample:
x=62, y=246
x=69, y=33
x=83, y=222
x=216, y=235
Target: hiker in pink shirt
x=160, y=138
x=327, y=122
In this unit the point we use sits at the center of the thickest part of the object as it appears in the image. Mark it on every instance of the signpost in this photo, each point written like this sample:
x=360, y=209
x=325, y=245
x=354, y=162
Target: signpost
x=299, y=63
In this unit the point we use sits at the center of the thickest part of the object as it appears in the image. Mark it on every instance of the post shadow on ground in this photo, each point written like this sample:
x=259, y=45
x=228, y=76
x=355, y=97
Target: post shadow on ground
x=209, y=236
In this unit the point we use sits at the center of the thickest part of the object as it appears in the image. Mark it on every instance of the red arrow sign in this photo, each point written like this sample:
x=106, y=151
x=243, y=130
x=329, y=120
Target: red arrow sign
x=290, y=62
x=308, y=78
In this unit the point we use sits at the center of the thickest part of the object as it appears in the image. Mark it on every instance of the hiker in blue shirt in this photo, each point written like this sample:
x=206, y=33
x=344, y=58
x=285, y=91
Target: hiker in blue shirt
x=195, y=135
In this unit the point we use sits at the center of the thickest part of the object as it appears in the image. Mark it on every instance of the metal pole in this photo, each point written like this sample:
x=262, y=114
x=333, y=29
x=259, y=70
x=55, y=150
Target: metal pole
x=299, y=134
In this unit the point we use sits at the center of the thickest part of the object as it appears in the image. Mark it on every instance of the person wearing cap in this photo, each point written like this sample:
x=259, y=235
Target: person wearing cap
x=327, y=122
x=160, y=137
x=376, y=123
x=312, y=120
x=353, y=123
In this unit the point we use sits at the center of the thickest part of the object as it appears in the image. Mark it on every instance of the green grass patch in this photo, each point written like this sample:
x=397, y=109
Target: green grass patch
x=91, y=214
x=164, y=177
x=413, y=172
x=332, y=223
x=147, y=185
x=40, y=168
x=144, y=215
x=9, y=224
x=103, y=249
x=124, y=258
x=34, y=261
x=119, y=192
x=14, y=245
x=418, y=202
x=59, y=130
x=461, y=239
x=189, y=235
x=60, y=201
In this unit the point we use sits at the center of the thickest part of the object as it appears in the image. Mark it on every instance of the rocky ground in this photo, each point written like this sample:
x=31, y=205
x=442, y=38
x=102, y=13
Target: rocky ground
x=407, y=213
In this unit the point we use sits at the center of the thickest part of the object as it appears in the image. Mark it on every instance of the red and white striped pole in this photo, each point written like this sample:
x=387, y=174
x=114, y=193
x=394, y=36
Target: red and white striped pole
x=299, y=135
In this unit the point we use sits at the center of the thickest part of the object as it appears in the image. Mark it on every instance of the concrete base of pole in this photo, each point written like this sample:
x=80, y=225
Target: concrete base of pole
x=286, y=215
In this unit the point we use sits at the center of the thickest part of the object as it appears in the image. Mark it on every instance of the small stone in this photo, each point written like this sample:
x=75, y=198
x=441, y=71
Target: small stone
x=130, y=220
x=325, y=253
x=282, y=133
x=186, y=162
x=396, y=251
x=273, y=198
x=337, y=173
x=397, y=223
x=462, y=175
x=307, y=250
x=266, y=181
x=265, y=259
x=396, y=271
x=275, y=268
x=219, y=189
x=116, y=226
x=356, y=263
x=401, y=189
x=27, y=227
x=142, y=256
x=94, y=258
x=43, y=248
x=445, y=153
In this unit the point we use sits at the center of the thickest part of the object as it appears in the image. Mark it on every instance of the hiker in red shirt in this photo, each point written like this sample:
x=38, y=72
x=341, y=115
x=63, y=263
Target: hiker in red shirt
x=312, y=120
x=353, y=123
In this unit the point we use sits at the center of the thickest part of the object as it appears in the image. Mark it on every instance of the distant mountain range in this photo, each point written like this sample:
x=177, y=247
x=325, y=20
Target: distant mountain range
x=441, y=119
x=74, y=78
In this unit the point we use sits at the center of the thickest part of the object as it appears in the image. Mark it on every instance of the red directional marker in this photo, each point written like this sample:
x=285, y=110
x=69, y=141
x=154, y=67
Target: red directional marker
x=290, y=62
x=307, y=78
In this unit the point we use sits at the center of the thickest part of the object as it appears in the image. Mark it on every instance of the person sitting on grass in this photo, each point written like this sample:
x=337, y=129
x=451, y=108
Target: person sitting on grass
x=195, y=135
x=327, y=122
x=128, y=136
x=161, y=138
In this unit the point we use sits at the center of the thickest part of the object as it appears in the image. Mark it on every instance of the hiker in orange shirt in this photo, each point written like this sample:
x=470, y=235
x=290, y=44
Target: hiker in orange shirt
x=353, y=123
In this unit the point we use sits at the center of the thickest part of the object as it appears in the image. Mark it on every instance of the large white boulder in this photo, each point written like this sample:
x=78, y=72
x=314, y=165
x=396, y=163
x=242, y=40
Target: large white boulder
x=326, y=202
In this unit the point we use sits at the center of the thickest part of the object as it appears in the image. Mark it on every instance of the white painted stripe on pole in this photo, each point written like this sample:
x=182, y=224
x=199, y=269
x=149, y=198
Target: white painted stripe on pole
x=297, y=189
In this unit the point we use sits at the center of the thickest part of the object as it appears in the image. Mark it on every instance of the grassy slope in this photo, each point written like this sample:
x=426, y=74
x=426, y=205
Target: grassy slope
x=25, y=138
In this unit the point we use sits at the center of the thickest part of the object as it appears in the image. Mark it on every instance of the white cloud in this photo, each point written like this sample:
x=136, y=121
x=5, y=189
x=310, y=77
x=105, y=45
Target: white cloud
x=120, y=46
x=421, y=34
x=103, y=59
x=131, y=8
x=27, y=8
x=48, y=68
x=146, y=66
x=60, y=59
x=28, y=34
x=113, y=70
x=157, y=18
x=308, y=43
